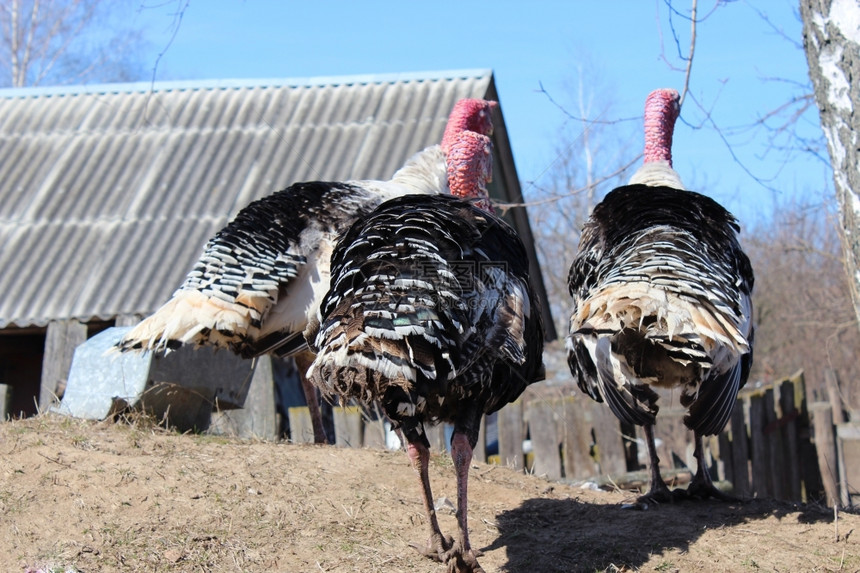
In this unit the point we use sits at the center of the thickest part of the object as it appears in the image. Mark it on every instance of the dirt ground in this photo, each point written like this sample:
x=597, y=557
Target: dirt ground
x=82, y=496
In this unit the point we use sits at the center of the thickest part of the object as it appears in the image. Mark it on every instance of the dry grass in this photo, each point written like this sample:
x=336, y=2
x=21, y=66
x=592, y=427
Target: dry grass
x=82, y=496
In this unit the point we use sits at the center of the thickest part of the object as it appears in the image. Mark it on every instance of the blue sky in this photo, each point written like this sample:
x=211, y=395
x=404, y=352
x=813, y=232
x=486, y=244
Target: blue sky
x=743, y=69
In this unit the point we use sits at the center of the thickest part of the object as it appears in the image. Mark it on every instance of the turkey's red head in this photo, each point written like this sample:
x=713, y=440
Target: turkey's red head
x=662, y=108
x=470, y=168
x=469, y=114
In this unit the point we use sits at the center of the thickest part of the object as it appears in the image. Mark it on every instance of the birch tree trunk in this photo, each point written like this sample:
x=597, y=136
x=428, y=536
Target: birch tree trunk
x=831, y=38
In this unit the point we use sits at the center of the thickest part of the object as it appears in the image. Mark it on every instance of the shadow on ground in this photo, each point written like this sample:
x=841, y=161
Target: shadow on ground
x=550, y=535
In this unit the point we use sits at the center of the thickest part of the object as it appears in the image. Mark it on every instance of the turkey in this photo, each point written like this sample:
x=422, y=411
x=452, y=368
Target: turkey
x=431, y=314
x=261, y=278
x=661, y=292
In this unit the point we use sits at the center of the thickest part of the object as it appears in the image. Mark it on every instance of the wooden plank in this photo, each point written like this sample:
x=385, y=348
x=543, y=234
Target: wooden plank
x=609, y=443
x=511, y=434
x=436, y=437
x=479, y=452
x=831, y=382
x=760, y=474
x=257, y=418
x=374, y=434
x=790, y=445
x=348, y=427
x=848, y=452
x=727, y=468
x=543, y=430
x=740, y=449
x=61, y=339
x=812, y=488
x=774, y=446
x=301, y=427
x=675, y=448
x=825, y=447
x=5, y=401
x=577, y=440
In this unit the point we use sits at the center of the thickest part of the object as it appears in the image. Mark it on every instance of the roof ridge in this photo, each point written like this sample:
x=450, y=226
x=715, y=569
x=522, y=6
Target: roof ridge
x=241, y=83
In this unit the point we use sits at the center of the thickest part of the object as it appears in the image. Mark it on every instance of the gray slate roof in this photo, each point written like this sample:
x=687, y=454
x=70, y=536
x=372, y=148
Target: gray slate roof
x=108, y=193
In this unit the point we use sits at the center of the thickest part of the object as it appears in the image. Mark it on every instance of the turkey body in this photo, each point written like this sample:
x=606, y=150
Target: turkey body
x=432, y=315
x=261, y=278
x=662, y=299
x=661, y=292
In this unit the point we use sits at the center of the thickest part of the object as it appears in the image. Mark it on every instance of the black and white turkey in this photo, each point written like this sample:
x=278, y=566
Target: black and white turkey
x=260, y=279
x=661, y=292
x=431, y=314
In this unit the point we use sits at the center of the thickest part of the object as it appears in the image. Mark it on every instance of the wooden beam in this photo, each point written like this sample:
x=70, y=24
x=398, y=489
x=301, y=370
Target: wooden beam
x=61, y=339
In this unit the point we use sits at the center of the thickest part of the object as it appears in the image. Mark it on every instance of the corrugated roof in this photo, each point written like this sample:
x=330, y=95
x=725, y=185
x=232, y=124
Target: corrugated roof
x=108, y=193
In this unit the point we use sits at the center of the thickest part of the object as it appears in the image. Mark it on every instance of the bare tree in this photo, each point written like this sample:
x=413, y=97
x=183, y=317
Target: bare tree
x=591, y=157
x=66, y=41
x=803, y=312
x=831, y=33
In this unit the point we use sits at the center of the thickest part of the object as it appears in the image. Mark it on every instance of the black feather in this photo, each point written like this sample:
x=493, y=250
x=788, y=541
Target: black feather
x=435, y=294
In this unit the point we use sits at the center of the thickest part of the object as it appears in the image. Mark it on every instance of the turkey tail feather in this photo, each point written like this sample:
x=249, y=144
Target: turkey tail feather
x=190, y=317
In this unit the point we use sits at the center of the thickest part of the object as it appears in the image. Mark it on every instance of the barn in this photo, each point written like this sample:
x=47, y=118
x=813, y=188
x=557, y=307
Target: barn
x=109, y=192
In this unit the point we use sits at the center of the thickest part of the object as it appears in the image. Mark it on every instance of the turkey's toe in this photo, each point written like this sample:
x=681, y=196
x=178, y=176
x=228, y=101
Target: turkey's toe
x=656, y=496
x=460, y=561
x=702, y=490
x=436, y=548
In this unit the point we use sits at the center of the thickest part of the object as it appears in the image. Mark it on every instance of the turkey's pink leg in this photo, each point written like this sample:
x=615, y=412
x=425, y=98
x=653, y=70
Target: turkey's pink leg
x=464, y=559
x=437, y=545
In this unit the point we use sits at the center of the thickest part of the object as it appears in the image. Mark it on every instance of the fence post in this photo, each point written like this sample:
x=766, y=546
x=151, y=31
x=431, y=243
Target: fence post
x=832, y=384
x=791, y=449
x=577, y=440
x=740, y=448
x=611, y=455
x=773, y=435
x=348, y=430
x=760, y=485
x=543, y=430
x=61, y=339
x=301, y=428
x=848, y=452
x=825, y=447
x=510, y=423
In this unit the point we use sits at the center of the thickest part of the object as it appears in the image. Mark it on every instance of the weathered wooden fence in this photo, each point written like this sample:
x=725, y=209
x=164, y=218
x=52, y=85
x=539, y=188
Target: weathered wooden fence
x=774, y=446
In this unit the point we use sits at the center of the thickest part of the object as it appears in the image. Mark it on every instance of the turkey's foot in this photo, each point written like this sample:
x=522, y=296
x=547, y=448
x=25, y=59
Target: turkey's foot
x=437, y=547
x=703, y=489
x=659, y=493
x=460, y=561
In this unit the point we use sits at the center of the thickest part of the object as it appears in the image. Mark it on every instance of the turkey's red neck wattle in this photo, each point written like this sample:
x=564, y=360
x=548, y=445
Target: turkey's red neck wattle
x=661, y=111
x=469, y=114
x=470, y=168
